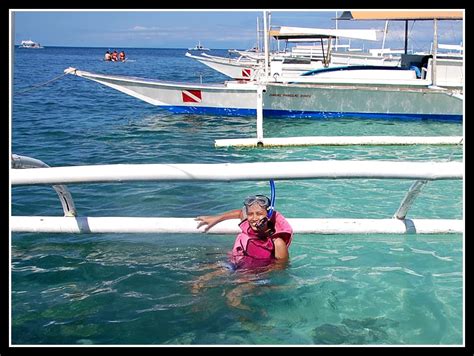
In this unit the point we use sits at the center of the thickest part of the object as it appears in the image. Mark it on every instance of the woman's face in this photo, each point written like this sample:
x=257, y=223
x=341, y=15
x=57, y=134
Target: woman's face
x=255, y=213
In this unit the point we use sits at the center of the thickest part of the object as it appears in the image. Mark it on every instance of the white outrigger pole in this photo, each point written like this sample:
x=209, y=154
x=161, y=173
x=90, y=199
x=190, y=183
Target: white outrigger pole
x=133, y=225
x=338, y=140
x=232, y=172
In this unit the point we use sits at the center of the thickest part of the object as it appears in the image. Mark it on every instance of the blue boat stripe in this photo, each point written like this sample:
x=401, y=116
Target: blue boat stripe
x=351, y=68
x=309, y=114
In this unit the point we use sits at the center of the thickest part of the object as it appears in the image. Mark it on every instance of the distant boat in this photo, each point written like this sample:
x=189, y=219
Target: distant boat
x=198, y=47
x=29, y=44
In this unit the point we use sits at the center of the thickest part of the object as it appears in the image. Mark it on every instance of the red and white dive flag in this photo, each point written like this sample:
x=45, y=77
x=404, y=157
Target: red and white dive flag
x=191, y=96
x=246, y=73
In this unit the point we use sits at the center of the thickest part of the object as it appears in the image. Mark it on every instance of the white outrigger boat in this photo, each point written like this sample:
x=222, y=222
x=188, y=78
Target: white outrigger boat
x=236, y=68
x=347, y=91
x=295, y=62
x=301, y=59
x=311, y=96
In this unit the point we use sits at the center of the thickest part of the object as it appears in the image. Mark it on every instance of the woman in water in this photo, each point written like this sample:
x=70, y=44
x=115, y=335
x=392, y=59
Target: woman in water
x=264, y=240
x=265, y=234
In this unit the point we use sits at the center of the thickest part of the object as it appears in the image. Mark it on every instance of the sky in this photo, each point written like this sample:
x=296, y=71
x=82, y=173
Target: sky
x=215, y=29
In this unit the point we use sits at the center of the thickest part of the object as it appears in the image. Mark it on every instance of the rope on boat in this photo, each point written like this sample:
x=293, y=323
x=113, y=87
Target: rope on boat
x=40, y=84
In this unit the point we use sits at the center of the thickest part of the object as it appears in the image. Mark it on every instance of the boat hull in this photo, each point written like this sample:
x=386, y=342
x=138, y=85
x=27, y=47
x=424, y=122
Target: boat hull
x=292, y=100
x=341, y=102
x=326, y=101
x=181, y=97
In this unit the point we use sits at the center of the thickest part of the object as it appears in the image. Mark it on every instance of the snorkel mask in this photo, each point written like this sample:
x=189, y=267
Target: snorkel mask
x=263, y=202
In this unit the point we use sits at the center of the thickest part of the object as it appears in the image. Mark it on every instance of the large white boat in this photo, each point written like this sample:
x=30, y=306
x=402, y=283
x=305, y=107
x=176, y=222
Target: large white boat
x=29, y=44
x=410, y=91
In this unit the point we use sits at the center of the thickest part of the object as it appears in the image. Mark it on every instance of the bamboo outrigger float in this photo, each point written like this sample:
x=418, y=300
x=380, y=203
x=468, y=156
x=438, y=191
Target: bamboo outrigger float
x=340, y=141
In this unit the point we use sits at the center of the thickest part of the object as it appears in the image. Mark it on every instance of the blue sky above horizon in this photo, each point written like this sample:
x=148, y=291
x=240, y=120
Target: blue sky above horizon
x=216, y=29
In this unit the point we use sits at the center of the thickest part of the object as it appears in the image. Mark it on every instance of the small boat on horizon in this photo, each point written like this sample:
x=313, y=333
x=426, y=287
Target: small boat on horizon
x=198, y=47
x=30, y=44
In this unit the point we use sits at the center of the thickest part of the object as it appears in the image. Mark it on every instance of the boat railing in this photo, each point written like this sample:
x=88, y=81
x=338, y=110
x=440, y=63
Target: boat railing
x=422, y=172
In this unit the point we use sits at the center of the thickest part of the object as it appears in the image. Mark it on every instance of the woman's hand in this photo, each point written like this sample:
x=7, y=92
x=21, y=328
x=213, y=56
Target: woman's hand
x=210, y=221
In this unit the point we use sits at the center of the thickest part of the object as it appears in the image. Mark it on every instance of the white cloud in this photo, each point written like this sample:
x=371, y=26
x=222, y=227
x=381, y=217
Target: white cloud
x=138, y=28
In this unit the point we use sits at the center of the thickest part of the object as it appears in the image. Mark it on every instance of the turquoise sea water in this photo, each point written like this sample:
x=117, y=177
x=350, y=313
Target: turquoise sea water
x=136, y=289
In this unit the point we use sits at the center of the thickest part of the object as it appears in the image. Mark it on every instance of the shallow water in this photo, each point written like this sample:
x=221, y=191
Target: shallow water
x=136, y=289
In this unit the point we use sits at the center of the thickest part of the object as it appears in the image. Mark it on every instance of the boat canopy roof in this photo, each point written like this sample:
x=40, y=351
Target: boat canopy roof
x=403, y=15
x=298, y=34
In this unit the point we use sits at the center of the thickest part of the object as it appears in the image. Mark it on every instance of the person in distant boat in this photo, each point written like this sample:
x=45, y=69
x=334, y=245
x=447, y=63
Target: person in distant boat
x=114, y=56
x=122, y=56
x=108, y=56
x=264, y=240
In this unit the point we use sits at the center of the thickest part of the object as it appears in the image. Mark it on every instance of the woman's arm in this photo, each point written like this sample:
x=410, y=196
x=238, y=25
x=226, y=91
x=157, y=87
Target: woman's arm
x=281, y=250
x=210, y=221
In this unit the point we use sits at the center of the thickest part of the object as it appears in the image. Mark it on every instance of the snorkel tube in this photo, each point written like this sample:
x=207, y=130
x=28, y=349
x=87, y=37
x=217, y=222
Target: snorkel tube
x=272, y=199
x=262, y=224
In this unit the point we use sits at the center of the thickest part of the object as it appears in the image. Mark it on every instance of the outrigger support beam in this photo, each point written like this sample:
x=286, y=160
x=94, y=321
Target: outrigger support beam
x=260, y=91
x=22, y=162
x=409, y=198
